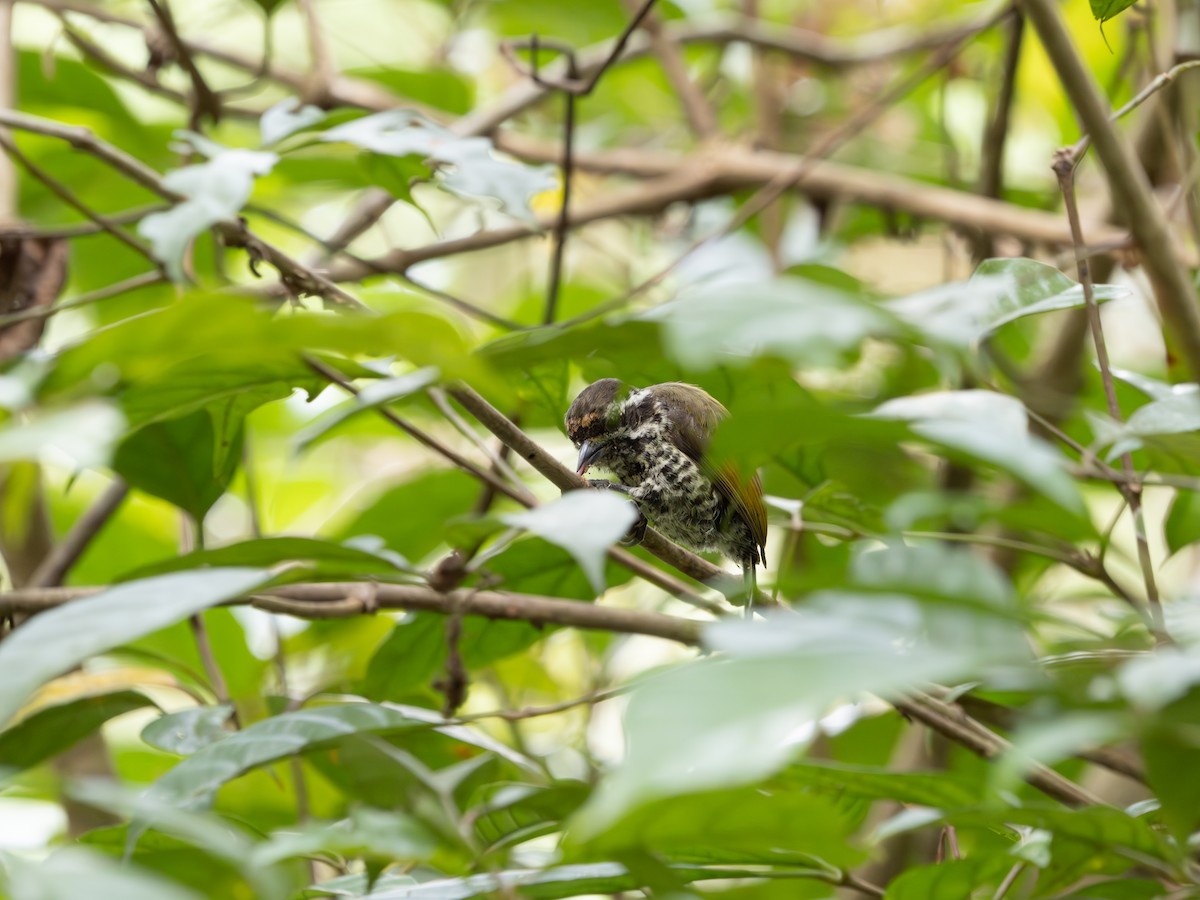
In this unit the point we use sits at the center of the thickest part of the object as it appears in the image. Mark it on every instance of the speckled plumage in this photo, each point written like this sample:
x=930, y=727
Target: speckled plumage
x=653, y=440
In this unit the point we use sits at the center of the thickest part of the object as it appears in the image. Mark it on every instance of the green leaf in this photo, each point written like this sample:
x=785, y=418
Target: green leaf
x=944, y=790
x=1165, y=427
x=1103, y=10
x=580, y=880
x=1154, y=680
x=189, y=730
x=58, y=639
x=438, y=494
x=731, y=827
x=181, y=461
x=409, y=658
x=442, y=88
x=192, y=782
x=584, y=523
x=287, y=117
x=216, y=190
x=391, y=837
x=475, y=172
x=991, y=427
x=769, y=679
x=85, y=432
x=370, y=396
x=1182, y=525
x=55, y=729
x=62, y=875
x=326, y=558
x=803, y=322
x=515, y=813
x=1000, y=291
x=1168, y=750
x=952, y=879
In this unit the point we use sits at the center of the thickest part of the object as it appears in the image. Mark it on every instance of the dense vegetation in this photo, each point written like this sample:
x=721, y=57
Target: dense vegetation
x=299, y=598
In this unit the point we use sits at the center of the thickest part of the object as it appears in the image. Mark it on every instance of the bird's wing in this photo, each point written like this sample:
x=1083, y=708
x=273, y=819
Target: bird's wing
x=695, y=416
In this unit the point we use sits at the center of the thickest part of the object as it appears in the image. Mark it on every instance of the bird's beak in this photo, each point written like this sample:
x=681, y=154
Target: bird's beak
x=587, y=452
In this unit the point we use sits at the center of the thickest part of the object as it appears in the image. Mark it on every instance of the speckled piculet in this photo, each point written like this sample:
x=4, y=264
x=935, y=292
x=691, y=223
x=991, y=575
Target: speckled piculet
x=654, y=440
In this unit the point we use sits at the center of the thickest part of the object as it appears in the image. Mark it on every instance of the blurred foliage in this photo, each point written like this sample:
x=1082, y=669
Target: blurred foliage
x=940, y=467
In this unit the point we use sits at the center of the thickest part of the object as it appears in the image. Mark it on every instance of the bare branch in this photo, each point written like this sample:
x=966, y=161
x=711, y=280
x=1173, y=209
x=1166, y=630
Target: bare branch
x=58, y=562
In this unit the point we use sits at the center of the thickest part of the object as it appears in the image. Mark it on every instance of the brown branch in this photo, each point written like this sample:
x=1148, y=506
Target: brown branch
x=700, y=114
x=722, y=170
x=995, y=136
x=337, y=600
x=58, y=562
x=1064, y=169
x=204, y=101
x=953, y=723
x=1127, y=182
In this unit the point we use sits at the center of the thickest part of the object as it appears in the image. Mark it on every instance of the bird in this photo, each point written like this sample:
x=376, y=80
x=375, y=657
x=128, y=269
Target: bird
x=654, y=440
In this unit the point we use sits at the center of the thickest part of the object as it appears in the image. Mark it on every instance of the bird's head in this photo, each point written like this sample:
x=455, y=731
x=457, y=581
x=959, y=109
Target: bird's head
x=595, y=419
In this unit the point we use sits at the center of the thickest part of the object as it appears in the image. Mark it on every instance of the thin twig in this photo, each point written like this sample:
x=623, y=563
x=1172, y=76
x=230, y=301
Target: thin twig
x=112, y=290
x=1127, y=182
x=204, y=101
x=54, y=568
x=1009, y=880
x=1064, y=169
x=68, y=196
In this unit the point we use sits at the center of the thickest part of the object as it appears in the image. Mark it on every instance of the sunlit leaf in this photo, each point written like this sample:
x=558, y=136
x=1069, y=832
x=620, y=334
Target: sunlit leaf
x=1000, y=291
x=388, y=836
x=1103, y=10
x=370, y=396
x=800, y=321
x=584, y=523
x=407, y=659
x=991, y=427
x=188, y=730
x=54, y=641
x=215, y=190
x=86, y=433
x=60, y=876
x=54, y=729
x=287, y=117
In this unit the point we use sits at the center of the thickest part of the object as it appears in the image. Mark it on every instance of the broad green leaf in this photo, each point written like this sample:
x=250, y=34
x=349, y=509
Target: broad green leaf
x=514, y=813
x=1164, y=427
x=933, y=569
x=327, y=558
x=287, y=117
x=769, y=679
x=952, y=879
x=735, y=827
x=799, y=321
x=85, y=432
x=63, y=875
x=193, y=781
x=1124, y=889
x=991, y=427
x=370, y=396
x=1154, y=680
x=390, y=837
x=937, y=789
x=189, y=730
x=1182, y=525
x=442, y=88
x=181, y=461
x=409, y=658
x=219, y=839
x=1168, y=750
x=438, y=494
x=1103, y=827
x=1103, y=10
x=584, y=523
x=1000, y=291
x=475, y=172
x=55, y=729
x=56, y=640
x=580, y=880
x=215, y=190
